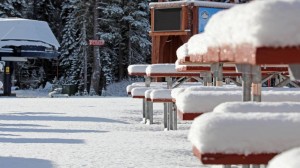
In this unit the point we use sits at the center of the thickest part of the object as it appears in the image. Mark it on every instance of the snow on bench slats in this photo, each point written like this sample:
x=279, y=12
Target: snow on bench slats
x=166, y=69
x=287, y=159
x=274, y=23
x=246, y=107
x=161, y=68
x=161, y=95
x=137, y=69
x=142, y=84
x=240, y=133
x=139, y=92
x=206, y=101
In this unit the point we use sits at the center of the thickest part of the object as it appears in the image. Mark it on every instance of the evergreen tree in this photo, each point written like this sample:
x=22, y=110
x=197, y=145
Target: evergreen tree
x=110, y=31
x=14, y=8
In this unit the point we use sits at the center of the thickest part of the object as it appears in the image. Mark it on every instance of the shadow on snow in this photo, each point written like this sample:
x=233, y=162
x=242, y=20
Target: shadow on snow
x=18, y=162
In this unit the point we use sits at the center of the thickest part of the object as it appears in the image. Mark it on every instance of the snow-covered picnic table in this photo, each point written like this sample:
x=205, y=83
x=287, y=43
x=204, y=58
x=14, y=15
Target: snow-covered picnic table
x=268, y=36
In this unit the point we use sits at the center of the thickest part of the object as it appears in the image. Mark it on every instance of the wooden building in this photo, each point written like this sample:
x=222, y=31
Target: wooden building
x=173, y=23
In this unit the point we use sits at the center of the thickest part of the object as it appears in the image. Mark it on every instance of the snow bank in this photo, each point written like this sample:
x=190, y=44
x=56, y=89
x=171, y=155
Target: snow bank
x=287, y=159
x=242, y=133
x=235, y=107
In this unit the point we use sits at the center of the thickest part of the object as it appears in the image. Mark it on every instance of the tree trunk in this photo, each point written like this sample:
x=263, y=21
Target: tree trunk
x=95, y=89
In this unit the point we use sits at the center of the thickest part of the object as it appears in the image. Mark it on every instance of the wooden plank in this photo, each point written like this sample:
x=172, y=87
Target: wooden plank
x=187, y=116
x=195, y=21
x=170, y=33
x=137, y=74
x=233, y=159
x=246, y=53
x=180, y=74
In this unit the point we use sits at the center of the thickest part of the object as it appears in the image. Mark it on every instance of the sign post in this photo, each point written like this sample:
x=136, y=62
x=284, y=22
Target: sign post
x=91, y=43
x=96, y=42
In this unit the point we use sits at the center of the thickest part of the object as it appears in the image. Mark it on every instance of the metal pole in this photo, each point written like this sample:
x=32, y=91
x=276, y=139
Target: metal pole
x=166, y=116
x=169, y=108
x=256, y=83
x=174, y=116
x=219, y=81
x=245, y=166
x=7, y=78
x=146, y=105
x=246, y=87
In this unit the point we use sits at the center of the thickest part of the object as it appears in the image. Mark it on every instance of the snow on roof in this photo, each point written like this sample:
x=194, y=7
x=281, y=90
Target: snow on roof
x=261, y=23
x=194, y=2
x=137, y=68
x=241, y=133
x=17, y=32
x=246, y=107
x=287, y=159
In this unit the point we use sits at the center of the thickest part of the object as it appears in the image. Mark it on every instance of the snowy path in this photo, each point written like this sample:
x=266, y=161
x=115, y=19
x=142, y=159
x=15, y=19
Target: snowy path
x=88, y=132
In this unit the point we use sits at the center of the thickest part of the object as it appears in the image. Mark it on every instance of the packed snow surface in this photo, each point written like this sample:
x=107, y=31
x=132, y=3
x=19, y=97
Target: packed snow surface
x=287, y=159
x=91, y=132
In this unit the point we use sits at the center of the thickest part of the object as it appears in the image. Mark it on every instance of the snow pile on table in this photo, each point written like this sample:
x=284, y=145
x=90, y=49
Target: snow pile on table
x=287, y=159
x=271, y=23
x=161, y=94
x=161, y=68
x=245, y=107
x=240, y=133
x=137, y=68
x=205, y=101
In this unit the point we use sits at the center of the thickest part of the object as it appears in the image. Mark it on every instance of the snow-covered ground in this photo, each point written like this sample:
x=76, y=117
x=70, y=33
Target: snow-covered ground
x=92, y=132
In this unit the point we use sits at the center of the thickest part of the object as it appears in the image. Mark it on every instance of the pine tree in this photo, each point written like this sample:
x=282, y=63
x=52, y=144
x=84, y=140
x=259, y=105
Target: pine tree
x=14, y=8
x=109, y=30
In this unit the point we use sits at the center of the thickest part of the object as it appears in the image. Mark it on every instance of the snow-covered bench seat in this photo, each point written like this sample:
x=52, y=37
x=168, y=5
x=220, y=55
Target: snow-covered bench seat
x=159, y=95
x=191, y=104
x=182, y=112
x=137, y=69
x=142, y=84
x=243, y=138
x=167, y=70
x=287, y=159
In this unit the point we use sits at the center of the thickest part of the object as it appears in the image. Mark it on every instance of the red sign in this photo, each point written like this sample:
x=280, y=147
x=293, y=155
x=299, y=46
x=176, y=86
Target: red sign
x=96, y=42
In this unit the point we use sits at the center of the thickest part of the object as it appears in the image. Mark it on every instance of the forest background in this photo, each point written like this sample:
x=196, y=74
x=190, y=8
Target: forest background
x=124, y=25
